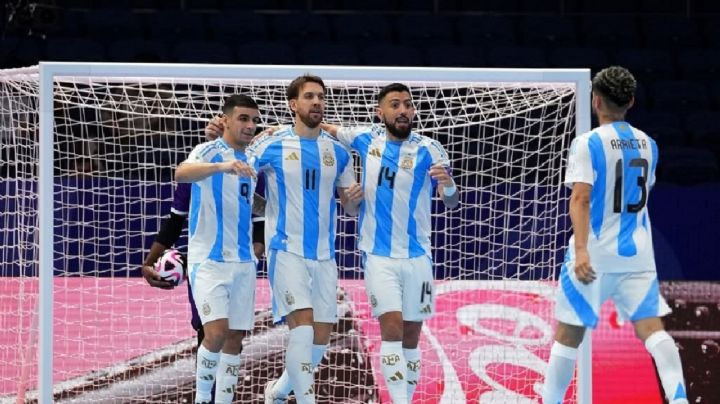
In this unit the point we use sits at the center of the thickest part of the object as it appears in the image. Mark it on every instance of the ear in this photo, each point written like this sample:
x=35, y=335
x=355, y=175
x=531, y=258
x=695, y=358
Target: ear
x=631, y=103
x=293, y=105
x=379, y=113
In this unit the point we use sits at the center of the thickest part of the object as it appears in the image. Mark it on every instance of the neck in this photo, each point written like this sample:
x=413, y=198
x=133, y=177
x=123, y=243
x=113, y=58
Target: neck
x=606, y=118
x=304, y=131
x=227, y=138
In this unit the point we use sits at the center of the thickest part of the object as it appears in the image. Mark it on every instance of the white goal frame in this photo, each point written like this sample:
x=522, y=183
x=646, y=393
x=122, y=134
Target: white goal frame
x=50, y=70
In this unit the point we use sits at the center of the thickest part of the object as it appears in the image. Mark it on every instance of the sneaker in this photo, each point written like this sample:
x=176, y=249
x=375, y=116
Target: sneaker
x=270, y=397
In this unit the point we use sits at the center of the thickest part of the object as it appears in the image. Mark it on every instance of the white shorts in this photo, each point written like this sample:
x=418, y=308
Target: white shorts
x=225, y=290
x=400, y=284
x=636, y=296
x=299, y=283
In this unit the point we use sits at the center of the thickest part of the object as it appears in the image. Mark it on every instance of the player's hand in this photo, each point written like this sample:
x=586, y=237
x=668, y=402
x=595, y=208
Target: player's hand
x=214, y=128
x=259, y=250
x=237, y=167
x=154, y=280
x=354, y=193
x=440, y=174
x=583, y=269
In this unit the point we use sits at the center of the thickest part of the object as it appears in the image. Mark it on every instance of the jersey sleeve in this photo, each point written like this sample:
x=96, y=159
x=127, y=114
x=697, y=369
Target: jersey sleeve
x=347, y=135
x=202, y=153
x=438, y=155
x=579, y=166
x=181, y=199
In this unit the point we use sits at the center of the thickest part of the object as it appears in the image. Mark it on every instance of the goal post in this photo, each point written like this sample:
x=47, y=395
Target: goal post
x=474, y=110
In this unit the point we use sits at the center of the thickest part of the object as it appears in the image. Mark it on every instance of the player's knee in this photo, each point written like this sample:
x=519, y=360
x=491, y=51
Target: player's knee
x=569, y=335
x=391, y=326
x=647, y=327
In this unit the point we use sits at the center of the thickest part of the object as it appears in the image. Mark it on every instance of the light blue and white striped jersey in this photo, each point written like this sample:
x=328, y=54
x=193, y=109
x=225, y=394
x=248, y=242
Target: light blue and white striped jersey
x=395, y=214
x=220, y=209
x=619, y=162
x=300, y=179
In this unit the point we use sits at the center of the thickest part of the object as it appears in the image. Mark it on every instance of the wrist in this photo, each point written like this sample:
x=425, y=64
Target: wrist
x=449, y=190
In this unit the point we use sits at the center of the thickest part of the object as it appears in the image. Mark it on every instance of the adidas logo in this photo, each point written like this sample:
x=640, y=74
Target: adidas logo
x=426, y=310
x=376, y=153
x=398, y=376
x=292, y=157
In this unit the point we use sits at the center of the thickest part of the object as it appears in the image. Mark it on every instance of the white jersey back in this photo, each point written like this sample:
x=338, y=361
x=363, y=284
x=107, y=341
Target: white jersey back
x=395, y=213
x=220, y=209
x=619, y=162
x=301, y=176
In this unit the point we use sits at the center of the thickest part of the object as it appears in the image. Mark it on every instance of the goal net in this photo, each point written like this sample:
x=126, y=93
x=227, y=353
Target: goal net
x=119, y=131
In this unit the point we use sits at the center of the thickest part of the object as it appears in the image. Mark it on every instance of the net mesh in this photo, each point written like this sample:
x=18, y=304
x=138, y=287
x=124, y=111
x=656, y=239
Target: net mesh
x=117, y=141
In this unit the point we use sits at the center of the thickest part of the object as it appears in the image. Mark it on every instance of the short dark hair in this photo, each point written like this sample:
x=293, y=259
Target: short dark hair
x=238, y=100
x=399, y=87
x=293, y=90
x=615, y=84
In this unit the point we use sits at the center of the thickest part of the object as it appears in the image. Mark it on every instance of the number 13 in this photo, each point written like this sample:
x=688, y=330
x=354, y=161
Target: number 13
x=641, y=182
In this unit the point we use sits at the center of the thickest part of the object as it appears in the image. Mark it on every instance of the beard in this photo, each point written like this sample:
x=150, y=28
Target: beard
x=310, y=121
x=397, y=132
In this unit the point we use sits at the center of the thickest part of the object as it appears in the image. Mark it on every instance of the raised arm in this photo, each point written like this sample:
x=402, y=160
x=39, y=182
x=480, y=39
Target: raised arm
x=447, y=190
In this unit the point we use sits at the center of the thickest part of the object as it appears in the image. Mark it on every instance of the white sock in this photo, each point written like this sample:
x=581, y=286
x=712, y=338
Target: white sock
x=667, y=360
x=559, y=374
x=227, y=377
x=394, y=368
x=298, y=362
x=207, y=364
x=412, y=357
x=282, y=386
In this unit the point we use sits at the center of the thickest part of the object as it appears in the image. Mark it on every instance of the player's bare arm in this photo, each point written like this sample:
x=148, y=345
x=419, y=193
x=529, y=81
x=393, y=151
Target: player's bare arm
x=351, y=197
x=193, y=172
x=445, y=183
x=580, y=217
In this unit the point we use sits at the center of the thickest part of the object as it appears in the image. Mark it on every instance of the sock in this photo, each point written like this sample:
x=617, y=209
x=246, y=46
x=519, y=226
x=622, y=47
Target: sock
x=282, y=386
x=667, y=360
x=298, y=362
x=393, y=366
x=207, y=363
x=227, y=377
x=559, y=374
x=412, y=357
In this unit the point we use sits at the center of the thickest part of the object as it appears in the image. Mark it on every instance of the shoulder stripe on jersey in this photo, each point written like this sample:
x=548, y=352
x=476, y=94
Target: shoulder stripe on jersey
x=597, y=195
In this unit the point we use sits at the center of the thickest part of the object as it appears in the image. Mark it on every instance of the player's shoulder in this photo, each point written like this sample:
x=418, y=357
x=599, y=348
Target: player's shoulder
x=266, y=141
x=328, y=138
x=211, y=147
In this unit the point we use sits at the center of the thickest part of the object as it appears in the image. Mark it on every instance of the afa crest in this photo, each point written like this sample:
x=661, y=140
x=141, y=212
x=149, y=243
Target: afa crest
x=407, y=163
x=206, y=309
x=289, y=298
x=328, y=159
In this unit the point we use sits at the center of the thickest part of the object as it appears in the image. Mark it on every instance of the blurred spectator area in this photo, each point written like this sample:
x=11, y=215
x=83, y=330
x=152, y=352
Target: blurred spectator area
x=672, y=46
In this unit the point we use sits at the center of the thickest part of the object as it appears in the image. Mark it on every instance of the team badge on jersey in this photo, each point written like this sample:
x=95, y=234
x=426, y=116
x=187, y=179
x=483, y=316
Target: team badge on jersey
x=328, y=159
x=407, y=163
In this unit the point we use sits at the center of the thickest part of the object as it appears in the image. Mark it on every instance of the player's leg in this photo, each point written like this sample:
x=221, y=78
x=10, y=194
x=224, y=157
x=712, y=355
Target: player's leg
x=383, y=283
x=324, y=300
x=292, y=298
x=576, y=308
x=209, y=286
x=241, y=319
x=418, y=302
x=638, y=296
